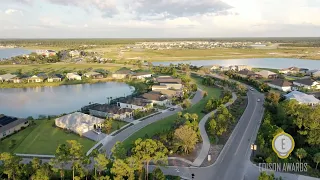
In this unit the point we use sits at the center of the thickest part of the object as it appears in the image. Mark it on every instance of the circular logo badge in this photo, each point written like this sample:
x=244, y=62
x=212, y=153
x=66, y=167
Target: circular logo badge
x=283, y=145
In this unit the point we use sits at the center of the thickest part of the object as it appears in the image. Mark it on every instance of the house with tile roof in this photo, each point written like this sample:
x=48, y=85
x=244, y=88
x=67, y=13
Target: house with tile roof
x=280, y=84
x=267, y=74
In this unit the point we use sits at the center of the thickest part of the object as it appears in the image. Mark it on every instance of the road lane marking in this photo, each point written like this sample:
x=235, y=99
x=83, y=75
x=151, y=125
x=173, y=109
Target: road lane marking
x=255, y=107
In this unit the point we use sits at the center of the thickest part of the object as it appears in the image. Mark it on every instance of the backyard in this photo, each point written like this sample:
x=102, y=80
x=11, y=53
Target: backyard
x=167, y=123
x=41, y=138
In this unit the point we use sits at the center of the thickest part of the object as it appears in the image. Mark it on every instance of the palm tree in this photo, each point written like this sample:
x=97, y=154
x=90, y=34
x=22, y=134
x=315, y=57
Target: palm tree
x=301, y=153
x=316, y=159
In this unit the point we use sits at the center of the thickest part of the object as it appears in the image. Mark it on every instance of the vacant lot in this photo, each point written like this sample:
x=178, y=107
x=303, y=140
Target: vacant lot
x=41, y=138
x=166, y=123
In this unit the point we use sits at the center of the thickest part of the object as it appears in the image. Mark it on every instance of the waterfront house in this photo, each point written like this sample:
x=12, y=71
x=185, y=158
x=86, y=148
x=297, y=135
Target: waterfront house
x=232, y=68
x=142, y=75
x=74, y=53
x=46, y=53
x=248, y=74
x=169, y=93
x=93, y=75
x=54, y=78
x=10, y=125
x=267, y=74
x=280, y=84
x=43, y=76
x=159, y=87
x=304, y=70
x=169, y=82
x=302, y=98
x=9, y=78
x=156, y=98
x=224, y=68
x=73, y=76
x=34, y=79
x=243, y=67
x=290, y=70
x=111, y=111
x=316, y=73
x=78, y=122
x=306, y=83
x=122, y=74
x=134, y=103
x=215, y=67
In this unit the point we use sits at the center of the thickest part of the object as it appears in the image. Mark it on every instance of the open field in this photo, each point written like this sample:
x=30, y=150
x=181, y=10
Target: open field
x=61, y=67
x=208, y=54
x=166, y=123
x=42, y=138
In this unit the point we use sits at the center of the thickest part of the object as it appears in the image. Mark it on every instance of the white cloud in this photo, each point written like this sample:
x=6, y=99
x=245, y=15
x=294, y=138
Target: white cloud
x=13, y=11
x=86, y=25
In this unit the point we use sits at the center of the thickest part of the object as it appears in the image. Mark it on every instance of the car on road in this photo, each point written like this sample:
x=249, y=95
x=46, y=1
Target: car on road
x=258, y=100
x=171, y=109
x=251, y=89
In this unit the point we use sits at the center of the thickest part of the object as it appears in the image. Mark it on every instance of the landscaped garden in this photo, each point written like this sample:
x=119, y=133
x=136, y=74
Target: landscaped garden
x=41, y=138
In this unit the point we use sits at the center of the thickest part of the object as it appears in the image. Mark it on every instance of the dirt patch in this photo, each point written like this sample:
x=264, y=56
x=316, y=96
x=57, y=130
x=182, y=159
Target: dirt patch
x=214, y=152
x=192, y=156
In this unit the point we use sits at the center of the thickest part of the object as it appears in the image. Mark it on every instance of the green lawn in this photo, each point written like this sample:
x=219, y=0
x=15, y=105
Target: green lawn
x=117, y=125
x=42, y=138
x=166, y=123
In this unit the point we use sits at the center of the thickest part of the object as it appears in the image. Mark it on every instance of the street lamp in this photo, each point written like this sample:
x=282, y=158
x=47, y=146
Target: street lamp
x=253, y=148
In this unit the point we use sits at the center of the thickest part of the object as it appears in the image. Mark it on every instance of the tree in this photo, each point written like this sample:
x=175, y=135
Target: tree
x=157, y=174
x=100, y=163
x=186, y=138
x=147, y=150
x=316, y=159
x=212, y=125
x=118, y=151
x=122, y=170
x=62, y=157
x=76, y=155
x=186, y=104
x=108, y=125
x=273, y=97
x=43, y=173
x=10, y=164
x=265, y=176
x=301, y=153
x=194, y=117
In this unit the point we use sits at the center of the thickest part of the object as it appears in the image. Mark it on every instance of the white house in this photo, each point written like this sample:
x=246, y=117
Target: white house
x=142, y=75
x=302, y=98
x=215, y=67
x=316, y=73
x=9, y=78
x=280, y=84
x=78, y=122
x=73, y=76
x=307, y=83
x=74, y=53
x=159, y=87
x=134, y=103
x=111, y=111
x=156, y=98
x=10, y=125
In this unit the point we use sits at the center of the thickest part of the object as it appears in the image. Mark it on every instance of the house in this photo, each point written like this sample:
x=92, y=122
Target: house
x=304, y=70
x=248, y=74
x=74, y=53
x=169, y=93
x=43, y=76
x=232, y=68
x=78, y=122
x=307, y=83
x=93, y=75
x=142, y=75
x=111, y=111
x=54, y=78
x=10, y=125
x=9, y=78
x=215, y=67
x=134, y=103
x=290, y=70
x=280, y=84
x=73, y=76
x=267, y=74
x=316, y=73
x=34, y=79
x=46, y=53
x=156, y=98
x=122, y=74
x=159, y=87
x=302, y=98
x=224, y=68
x=243, y=67
x=170, y=82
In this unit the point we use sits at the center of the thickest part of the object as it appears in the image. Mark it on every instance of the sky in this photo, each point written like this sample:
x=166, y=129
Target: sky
x=159, y=18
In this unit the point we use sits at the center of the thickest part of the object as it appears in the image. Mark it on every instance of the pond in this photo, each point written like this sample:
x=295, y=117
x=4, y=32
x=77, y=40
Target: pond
x=274, y=63
x=11, y=52
x=24, y=102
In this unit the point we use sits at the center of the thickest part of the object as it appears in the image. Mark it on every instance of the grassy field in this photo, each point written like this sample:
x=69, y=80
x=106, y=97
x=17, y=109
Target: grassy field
x=117, y=125
x=42, y=138
x=207, y=54
x=61, y=67
x=166, y=123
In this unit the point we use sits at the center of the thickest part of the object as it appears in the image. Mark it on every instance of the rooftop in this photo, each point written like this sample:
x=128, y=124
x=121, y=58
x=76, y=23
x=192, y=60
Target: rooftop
x=155, y=96
x=302, y=97
x=281, y=83
x=308, y=81
x=266, y=73
x=7, y=122
x=134, y=101
x=246, y=72
x=168, y=79
x=114, y=109
x=92, y=73
x=7, y=76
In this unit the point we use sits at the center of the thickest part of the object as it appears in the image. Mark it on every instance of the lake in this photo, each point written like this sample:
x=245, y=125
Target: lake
x=24, y=102
x=11, y=52
x=274, y=63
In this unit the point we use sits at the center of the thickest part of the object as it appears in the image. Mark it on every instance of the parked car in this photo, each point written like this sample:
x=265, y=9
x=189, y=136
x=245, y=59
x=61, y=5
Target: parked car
x=171, y=109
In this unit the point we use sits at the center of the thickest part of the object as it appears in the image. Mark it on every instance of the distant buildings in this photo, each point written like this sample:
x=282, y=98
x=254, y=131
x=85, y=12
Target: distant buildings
x=122, y=74
x=169, y=82
x=111, y=111
x=307, y=83
x=73, y=76
x=290, y=70
x=93, y=75
x=46, y=53
x=34, y=79
x=267, y=74
x=10, y=125
x=74, y=53
x=10, y=78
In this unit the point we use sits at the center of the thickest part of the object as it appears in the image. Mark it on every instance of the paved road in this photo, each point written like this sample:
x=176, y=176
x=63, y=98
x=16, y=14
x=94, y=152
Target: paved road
x=123, y=135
